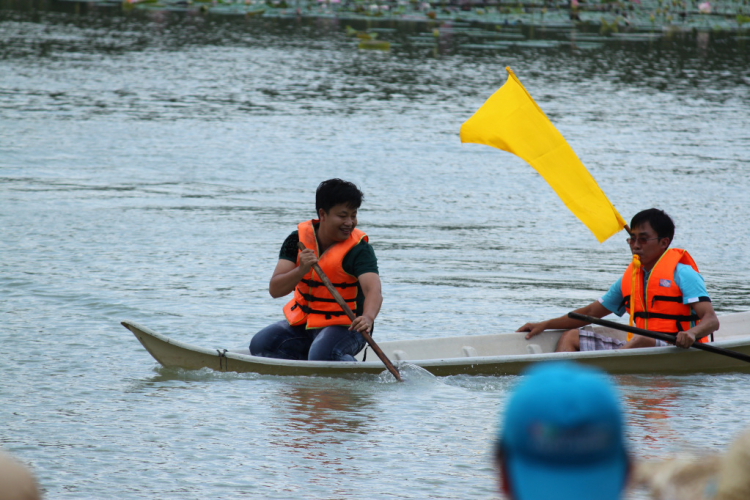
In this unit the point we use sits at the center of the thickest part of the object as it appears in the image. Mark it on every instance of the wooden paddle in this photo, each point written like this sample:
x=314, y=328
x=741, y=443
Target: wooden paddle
x=658, y=336
x=348, y=311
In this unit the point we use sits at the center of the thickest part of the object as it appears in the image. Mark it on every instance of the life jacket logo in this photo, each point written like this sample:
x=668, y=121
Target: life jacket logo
x=665, y=283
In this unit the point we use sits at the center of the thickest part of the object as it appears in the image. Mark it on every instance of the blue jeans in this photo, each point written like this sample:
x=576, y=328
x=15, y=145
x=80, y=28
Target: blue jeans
x=283, y=341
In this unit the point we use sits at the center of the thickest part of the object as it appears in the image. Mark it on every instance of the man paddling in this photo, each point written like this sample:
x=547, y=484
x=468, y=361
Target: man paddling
x=665, y=294
x=315, y=327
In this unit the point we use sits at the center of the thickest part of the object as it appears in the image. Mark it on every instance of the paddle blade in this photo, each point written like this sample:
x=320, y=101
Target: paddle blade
x=510, y=120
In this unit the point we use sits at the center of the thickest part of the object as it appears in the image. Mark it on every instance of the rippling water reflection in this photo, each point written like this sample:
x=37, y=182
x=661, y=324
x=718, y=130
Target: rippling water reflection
x=151, y=165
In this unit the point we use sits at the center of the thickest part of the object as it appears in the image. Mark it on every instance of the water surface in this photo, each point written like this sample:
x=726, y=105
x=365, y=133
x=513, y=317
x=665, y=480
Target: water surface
x=152, y=164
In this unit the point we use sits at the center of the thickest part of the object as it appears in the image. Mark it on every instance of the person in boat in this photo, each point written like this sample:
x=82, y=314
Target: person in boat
x=664, y=293
x=562, y=436
x=316, y=328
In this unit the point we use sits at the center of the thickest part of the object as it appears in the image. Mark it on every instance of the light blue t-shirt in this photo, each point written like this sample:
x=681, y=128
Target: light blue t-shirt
x=689, y=282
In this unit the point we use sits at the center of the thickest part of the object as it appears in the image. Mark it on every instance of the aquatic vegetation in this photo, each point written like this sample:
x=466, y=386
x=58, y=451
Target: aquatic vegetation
x=608, y=28
x=374, y=45
x=606, y=16
x=362, y=35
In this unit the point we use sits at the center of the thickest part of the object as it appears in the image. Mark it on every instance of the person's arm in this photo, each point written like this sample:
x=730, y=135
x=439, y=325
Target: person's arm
x=709, y=323
x=370, y=283
x=287, y=274
x=594, y=309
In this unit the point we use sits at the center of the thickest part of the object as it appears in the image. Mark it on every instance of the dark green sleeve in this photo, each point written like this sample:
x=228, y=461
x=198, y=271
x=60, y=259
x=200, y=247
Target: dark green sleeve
x=360, y=260
x=289, y=247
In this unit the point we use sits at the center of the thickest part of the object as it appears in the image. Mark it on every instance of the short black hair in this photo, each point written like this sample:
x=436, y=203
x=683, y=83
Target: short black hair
x=659, y=221
x=337, y=192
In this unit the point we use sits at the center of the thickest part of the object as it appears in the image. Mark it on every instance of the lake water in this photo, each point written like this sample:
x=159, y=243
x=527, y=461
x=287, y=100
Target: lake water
x=151, y=164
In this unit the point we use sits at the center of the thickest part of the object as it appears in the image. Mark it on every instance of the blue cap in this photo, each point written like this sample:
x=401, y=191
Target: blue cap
x=562, y=436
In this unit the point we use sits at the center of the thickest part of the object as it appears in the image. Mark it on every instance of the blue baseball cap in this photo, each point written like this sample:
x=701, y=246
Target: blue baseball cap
x=562, y=435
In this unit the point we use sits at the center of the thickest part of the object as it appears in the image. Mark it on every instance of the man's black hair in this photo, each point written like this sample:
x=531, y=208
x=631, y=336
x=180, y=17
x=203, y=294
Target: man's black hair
x=659, y=221
x=337, y=192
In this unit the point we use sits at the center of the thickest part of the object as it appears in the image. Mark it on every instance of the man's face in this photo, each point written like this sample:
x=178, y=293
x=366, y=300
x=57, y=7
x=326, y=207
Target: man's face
x=645, y=243
x=339, y=222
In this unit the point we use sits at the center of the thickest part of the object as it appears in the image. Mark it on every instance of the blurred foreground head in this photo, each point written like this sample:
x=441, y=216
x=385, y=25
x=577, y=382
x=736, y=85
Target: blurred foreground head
x=562, y=436
x=690, y=477
x=733, y=482
x=16, y=482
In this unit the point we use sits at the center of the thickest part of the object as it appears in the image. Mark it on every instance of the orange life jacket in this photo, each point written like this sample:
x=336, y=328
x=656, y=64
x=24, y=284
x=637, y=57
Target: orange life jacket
x=662, y=309
x=313, y=305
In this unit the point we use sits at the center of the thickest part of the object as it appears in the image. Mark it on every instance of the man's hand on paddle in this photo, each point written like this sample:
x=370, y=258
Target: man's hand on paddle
x=362, y=324
x=287, y=273
x=709, y=323
x=306, y=260
x=684, y=339
x=371, y=289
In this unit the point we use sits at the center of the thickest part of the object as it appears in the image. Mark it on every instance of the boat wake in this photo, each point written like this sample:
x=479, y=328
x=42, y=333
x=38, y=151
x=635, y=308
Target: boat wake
x=408, y=372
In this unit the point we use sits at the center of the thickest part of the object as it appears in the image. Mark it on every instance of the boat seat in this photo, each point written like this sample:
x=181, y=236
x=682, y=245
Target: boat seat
x=469, y=351
x=534, y=349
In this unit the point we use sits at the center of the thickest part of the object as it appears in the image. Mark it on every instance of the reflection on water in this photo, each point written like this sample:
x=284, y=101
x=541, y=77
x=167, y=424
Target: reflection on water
x=315, y=424
x=324, y=415
x=650, y=402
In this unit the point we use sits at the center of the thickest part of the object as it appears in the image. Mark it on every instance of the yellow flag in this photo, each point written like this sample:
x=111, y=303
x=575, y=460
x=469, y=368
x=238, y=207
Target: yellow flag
x=510, y=120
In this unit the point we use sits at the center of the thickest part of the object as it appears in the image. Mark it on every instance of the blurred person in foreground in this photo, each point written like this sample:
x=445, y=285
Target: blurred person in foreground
x=706, y=477
x=16, y=481
x=562, y=436
x=662, y=291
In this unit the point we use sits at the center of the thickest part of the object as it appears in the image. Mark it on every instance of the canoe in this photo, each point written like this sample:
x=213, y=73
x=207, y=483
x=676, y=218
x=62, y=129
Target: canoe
x=494, y=354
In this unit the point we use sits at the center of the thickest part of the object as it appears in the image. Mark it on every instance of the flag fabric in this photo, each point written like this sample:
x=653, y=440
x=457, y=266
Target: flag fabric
x=510, y=120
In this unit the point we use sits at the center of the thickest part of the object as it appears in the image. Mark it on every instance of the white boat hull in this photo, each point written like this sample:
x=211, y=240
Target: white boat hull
x=499, y=354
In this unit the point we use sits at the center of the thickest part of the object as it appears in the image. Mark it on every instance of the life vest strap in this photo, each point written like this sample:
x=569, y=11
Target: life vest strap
x=309, y=310
x=676, y=317
x=666, y=298
x=312, y=298
x=314, y=283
